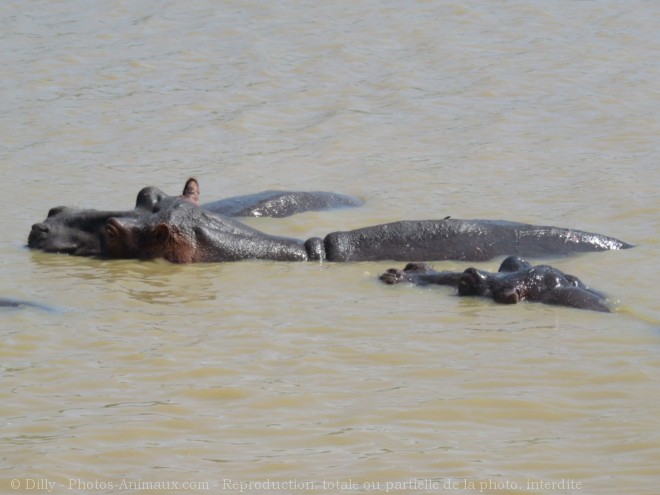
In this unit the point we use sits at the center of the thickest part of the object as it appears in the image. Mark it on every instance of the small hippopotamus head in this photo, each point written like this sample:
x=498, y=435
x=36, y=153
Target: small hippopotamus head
x=182, y=232
x=159, y=234
x=81, y=232
x=531, y=284
x=515, y=281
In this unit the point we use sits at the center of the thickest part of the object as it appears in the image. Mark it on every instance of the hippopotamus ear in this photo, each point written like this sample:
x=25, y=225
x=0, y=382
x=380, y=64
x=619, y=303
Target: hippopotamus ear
x=507, y=296
x=191, y=191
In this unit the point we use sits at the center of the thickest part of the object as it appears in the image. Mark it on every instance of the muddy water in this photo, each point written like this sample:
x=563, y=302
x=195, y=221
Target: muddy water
x=269, y=377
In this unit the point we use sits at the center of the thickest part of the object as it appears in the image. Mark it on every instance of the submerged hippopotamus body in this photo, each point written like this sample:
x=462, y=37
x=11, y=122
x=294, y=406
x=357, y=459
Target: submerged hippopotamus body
x=17, y=303
x=280, y=204
x=179, y=230
x=517, y=280
x=466, y=240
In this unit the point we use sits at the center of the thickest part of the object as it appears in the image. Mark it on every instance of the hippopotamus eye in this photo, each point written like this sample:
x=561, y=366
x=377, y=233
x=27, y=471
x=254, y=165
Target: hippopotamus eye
x=148, y=198
x=552, y=281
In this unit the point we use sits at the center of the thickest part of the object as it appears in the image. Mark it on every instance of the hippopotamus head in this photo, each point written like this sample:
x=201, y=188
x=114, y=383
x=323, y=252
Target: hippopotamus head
x=179, y=231
x=170, y=233
x=516, y=280
x=73, y=231
x=475, y=282
x=82, y=232
x=167, y=231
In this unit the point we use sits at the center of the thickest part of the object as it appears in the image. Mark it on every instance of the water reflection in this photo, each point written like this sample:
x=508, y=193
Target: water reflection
x=149, y=282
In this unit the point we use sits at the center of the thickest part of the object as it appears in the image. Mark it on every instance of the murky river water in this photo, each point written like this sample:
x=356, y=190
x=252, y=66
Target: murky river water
x=269, y=377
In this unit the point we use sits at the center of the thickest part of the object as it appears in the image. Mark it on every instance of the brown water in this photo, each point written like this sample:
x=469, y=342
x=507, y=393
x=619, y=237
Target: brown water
x=268, y=377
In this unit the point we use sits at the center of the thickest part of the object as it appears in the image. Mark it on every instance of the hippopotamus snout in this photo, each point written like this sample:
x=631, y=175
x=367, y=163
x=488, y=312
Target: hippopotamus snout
x=42, y=233
x=38, y=235
x=44, y=236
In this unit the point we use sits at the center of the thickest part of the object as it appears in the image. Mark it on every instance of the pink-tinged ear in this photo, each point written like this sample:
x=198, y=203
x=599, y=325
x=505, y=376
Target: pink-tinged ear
x=191, y=191
x=161, y=233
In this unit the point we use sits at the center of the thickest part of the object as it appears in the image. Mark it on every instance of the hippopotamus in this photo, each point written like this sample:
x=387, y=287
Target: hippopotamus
x=516, y=280
x=17, y=303
x=80, y=232
x=280, y=204
x=178, y=229
x=182, y=232
x=463, y=240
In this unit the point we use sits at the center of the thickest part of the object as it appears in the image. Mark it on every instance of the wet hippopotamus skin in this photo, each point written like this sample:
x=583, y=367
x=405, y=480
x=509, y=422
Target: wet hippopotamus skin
x=466, y=240
x=81, y=232
x=184, y=233
x=516, y=280
x=280, y=204
x=181, y=232
x=178, y=229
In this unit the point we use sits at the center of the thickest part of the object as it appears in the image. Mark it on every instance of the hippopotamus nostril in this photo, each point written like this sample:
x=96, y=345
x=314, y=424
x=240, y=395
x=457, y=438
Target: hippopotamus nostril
x=41, y=228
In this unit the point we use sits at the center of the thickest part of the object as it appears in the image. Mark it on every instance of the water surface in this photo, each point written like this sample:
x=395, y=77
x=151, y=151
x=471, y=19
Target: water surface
x=316, y=374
